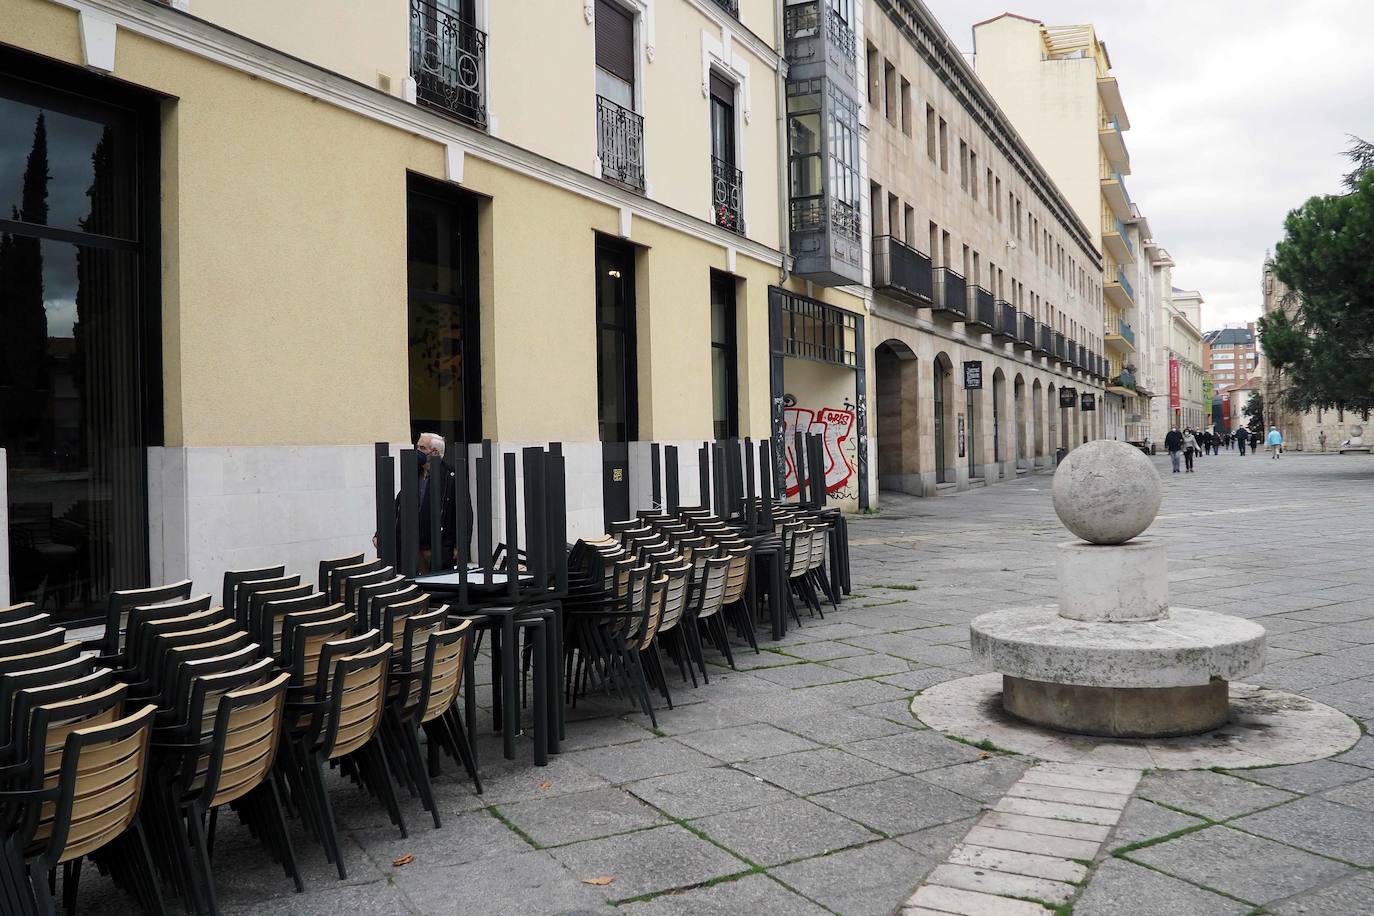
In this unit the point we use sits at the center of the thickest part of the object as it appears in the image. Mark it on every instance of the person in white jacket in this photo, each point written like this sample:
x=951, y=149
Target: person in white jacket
x=1190, y=448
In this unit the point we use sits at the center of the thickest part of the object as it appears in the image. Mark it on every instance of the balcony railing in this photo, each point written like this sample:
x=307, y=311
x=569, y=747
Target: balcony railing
x=448, y=62
x=1071, y=352
x=901, y=271
x=727, y=195
x=982, y=311
x=1082, y=357
x=1120, y=228
x=1125, y=331
x=1025, y=340
x=800, y=21
x=1112, y=173
x=1125, y=379
x=730, y=6
x=1125, y=284
x=620, y=144
x=1045, y=339
x=951, y=296
x=1006, y=327
x=1059, y=352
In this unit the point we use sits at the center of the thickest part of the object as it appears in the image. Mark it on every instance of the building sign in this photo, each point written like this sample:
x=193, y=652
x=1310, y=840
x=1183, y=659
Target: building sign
x=1090, y=402
x=1068, y=397
x=1174, y=378
x=973, y=375
x=961, y=436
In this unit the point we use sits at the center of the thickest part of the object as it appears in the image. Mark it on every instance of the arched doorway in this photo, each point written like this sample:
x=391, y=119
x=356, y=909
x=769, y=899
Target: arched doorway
x=942, y=381
x=999, y=413
x=1019, y=406
x=899, y=466
x=1038, y=420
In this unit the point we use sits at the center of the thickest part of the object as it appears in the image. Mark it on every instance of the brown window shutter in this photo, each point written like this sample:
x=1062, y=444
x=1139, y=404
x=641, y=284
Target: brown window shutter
x=615, y=40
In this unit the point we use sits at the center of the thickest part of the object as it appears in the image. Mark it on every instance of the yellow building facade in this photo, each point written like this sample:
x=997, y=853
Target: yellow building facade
x=527, y=223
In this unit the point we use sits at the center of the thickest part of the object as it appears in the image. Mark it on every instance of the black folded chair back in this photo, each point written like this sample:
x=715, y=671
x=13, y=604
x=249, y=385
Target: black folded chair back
x=335, y=578
x=17, y=611
x=233, y=578
x=327, y=567
x=34, y=642
x=26, y=626
x=38, y=658
x=12, y=682
x=367, y=596
x=122, y=601
x=245, y=590
x=274, y=613
x=260, y=598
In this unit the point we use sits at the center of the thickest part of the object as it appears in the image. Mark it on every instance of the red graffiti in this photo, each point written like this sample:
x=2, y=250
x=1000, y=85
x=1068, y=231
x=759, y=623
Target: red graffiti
x=833, y=424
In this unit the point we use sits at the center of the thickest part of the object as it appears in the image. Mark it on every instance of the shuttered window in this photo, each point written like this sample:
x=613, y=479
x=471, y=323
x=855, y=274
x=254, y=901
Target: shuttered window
x=615, y=40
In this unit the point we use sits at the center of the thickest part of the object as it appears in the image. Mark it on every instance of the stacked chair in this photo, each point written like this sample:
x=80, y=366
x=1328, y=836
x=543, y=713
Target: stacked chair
x=128, y=754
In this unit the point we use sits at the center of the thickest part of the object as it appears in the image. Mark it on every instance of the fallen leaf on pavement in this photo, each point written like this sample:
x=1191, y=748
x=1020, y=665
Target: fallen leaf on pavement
x=404, y=860
x=545, y=784
x=599, y=882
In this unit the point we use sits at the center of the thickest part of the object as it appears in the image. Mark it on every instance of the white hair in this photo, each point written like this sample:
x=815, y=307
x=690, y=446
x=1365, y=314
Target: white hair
x=436, y=440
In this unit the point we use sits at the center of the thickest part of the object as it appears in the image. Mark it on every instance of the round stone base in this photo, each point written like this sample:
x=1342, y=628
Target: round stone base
x=1118, y=712
x=1265, y=728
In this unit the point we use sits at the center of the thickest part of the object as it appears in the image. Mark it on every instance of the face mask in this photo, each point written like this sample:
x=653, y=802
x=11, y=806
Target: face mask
x=421, y=459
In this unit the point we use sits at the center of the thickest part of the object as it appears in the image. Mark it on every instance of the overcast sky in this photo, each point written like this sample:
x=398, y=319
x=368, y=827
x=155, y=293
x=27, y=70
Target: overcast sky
x=1239, y=112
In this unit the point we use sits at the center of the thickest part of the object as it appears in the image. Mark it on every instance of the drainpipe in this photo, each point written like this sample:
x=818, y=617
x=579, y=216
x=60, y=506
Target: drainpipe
x=784, y=164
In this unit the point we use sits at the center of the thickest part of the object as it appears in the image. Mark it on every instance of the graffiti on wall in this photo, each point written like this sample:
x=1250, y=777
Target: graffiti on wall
x=833, y=425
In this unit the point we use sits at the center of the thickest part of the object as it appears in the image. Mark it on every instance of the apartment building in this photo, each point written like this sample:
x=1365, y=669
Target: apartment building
x=1231, y=356
x=986, y=311
x=1190, y=401
x=270, y=235
x=1056, y=85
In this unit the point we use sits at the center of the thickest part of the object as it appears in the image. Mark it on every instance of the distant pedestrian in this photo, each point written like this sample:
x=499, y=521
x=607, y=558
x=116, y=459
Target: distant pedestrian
x=1242, y=437
x=1321, y=438
x=1190, y=449
x=1275, y=441
x=1173, y=444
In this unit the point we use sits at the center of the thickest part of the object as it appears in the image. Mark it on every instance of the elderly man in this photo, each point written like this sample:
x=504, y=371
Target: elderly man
x=429, y=452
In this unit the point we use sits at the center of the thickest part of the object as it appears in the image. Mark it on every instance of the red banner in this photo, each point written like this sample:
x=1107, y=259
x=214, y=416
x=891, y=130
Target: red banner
x=1174, y=378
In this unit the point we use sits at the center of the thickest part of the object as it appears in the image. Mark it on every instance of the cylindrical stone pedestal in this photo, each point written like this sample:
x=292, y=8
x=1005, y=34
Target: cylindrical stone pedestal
x=1113, y=582
x=1118, y=712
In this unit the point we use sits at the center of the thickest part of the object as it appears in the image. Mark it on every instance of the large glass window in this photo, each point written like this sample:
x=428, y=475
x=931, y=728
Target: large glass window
x=724, y=358
x=79, y=392
x=441, y=242
x=804, y=150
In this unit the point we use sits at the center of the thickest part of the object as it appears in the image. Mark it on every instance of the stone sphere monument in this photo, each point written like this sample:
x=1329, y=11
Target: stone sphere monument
x=1112, y=658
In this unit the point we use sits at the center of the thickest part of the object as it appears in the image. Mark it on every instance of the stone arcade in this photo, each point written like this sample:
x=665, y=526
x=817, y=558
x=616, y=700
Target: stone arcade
x=1112, y=658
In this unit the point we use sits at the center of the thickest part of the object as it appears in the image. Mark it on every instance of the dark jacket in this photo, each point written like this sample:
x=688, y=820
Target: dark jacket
x=1173, y=441
x=449, y=484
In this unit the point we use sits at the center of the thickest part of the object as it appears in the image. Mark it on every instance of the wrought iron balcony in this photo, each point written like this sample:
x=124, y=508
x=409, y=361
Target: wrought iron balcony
x=1025, y=340
x=727, y=195
x=1059, y=353
x=620, y=144
x=841, y=35
x=1071, y=354
x=730, y=6
x=901, y=272
x=951, y=296
x=1006, y=328
x=1125, y=379
x=448, y=62
x=1082, y=357
x=981, y=310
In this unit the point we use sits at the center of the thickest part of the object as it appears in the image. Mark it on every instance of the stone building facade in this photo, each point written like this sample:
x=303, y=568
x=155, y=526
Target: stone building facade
x=987, y=286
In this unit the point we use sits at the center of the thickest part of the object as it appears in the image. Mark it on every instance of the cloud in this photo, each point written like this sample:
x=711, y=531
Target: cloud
x=1239, y=112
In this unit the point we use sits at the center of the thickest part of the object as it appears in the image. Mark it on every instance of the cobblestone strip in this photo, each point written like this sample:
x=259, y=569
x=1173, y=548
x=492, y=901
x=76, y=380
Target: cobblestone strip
x=1032, y=846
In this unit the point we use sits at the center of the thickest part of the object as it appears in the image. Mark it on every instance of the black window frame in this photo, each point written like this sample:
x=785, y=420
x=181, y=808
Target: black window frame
x=44, y=76
x=629, y=335
x=725, y=285
x=466, y=252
